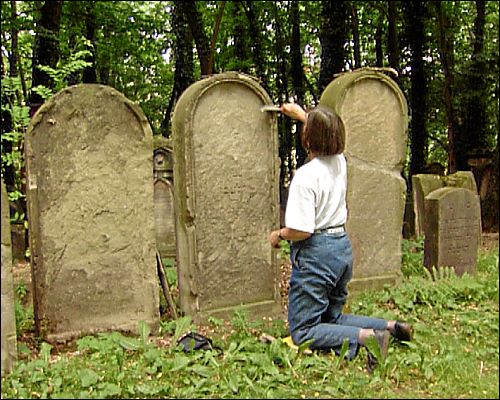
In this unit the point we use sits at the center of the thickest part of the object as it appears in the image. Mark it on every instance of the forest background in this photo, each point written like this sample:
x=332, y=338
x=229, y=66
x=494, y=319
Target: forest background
x=444, y=55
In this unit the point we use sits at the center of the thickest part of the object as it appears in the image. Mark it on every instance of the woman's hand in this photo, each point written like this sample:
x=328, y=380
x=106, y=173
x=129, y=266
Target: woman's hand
x=293, y=111
x=274, y=238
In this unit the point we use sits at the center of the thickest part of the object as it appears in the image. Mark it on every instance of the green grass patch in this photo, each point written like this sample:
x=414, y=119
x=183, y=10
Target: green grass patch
x=454, y=353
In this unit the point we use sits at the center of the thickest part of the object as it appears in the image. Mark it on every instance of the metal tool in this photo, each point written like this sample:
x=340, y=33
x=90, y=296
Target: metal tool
x=271, y=107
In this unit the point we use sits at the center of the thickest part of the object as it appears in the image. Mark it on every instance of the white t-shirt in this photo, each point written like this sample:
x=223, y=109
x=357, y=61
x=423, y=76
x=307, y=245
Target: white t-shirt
x=317, y=195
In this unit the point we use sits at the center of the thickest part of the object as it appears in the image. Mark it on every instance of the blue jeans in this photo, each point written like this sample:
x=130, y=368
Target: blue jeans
x=321, y=270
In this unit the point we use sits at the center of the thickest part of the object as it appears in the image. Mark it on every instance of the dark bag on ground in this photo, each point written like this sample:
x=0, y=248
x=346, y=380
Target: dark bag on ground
x=195, y=341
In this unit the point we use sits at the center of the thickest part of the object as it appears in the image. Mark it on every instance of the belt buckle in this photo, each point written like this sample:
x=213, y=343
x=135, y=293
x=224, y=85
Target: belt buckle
x=335, y=230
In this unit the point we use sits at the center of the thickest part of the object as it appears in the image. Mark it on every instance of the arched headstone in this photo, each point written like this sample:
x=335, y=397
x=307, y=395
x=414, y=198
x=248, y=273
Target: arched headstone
x=226, y=172
x=375, y=114
x=90, y=209
x=164, y=197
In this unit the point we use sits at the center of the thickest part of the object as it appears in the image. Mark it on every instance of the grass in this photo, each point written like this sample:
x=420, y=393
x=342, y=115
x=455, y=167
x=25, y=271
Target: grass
x=454, y=354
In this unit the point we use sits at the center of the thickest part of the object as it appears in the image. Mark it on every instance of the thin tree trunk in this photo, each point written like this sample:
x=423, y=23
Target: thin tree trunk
x=89, y=73
x=214, y=37
x=240, y=34
x=418, y=134
x=184, y=64
x=333, y=35
x=297, y=72
x=257, y=55
x=355, y=34
x=392, y=41
x=194, y=19
x=379, y=56
x=46, y=49
x=284, y=124
x=471, y=142
x=446, y=53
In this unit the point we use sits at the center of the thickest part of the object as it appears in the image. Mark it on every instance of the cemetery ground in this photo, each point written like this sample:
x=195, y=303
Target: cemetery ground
x=454, y=354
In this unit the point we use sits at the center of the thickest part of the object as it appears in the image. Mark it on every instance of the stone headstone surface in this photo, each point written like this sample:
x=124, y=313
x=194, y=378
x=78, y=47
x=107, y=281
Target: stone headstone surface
x=90, y=209
x=424, y=184
x=8, y=330
x=452, y=222
x=375, y=115
x=164, y=197
x=226, y=172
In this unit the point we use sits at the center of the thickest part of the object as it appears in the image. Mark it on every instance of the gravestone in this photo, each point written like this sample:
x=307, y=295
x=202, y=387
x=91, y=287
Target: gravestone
x=90, y=210
x=226, y=172
x=164, y=197
x=424, y=184
x=451, y=224
x=8, y=331
x=375, y=115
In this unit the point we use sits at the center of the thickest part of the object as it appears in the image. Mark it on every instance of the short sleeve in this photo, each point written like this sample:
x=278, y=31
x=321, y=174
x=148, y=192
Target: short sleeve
x=300, y=207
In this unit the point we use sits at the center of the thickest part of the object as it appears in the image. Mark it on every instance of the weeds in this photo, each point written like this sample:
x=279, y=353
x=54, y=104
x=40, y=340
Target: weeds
x=454, y=353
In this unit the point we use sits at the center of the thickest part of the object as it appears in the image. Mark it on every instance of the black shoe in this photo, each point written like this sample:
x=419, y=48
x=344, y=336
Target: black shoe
x=382, y=337
x=402, y=331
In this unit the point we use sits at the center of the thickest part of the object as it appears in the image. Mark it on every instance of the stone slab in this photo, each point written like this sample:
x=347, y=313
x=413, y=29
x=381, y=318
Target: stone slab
x=90, y=210
x=452, y=222
x=8, y=330
x=226, y=180
x=375, y=115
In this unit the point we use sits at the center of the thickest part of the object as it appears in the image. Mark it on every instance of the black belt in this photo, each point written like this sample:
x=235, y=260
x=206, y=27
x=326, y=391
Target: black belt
x=332, y=229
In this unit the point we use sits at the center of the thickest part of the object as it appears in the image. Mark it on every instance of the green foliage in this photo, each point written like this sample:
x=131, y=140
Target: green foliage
x=412, y=259
x=64, y=70
x=454, y=353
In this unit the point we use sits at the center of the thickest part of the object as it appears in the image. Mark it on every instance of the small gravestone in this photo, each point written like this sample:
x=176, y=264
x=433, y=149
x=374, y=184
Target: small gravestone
x=451, y=225
x=164, y=197
x=424, y=184
x=90, y=210
x=9, y=337
x=375, y=115
x=226, y=174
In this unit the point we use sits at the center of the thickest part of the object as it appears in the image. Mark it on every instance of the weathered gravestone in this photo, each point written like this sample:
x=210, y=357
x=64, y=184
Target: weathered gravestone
x=164, y=197
x=90, y=209
x=424, y=184
x=375, y=115
x=226, y=174
x=8, y=331
x=451, y=225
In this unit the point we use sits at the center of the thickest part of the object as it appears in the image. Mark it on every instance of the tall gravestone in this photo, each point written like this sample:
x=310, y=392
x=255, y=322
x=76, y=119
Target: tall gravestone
x=375, y=115
x=226, y=172
x=8, y=331
x=451, y=225
x=164, y=197
x=90, y=210
x=424, y=184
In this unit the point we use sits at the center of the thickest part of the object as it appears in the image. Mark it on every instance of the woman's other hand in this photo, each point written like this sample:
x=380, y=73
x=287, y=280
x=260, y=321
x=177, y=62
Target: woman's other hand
x=293, y=111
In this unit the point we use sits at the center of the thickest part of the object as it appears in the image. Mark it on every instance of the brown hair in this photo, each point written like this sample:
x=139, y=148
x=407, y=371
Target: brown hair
x=323, y=132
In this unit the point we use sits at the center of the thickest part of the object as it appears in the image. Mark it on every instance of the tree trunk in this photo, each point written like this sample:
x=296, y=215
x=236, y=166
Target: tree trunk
x=333, y=35
x=392, y=39
x=257, y=53
x=241, y=53
x=195, y=21
x=472, y=142
x=446, y=54
x=297, y=72
x=379, y=56
x=184, y=63
x=355, y=34
x=284, y=124
x=414, y=13
x=89, y=73
x=46, y=49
